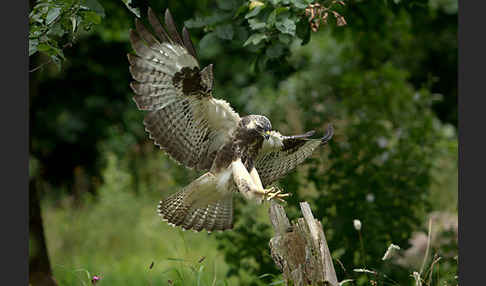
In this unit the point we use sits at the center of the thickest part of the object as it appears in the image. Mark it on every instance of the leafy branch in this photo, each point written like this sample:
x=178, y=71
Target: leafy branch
x=266, y=27
x=55, y=24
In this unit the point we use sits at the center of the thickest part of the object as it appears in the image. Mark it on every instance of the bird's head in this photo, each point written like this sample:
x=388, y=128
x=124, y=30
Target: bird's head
x=257, y=125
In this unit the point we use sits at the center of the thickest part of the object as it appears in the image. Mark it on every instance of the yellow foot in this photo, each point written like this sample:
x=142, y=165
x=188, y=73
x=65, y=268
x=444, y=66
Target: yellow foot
x=274, y=193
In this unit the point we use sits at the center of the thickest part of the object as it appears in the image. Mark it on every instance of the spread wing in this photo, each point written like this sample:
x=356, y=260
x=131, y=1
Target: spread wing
x=183, y=118
x=294, y=150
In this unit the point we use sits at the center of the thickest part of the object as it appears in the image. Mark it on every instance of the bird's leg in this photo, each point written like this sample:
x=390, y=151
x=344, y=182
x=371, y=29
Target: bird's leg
x=270, y=193
x=250, y=185
x=256, y=178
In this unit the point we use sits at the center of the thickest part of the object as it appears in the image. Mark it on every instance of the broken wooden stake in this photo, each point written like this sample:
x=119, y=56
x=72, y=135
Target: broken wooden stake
x=300, y=249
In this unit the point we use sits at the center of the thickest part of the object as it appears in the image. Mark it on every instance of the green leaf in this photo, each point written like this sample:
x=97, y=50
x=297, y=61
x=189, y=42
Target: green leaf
x=207, y=41
x=175, y=259
x=277, y=282
x=285, y=39
x=92, y=17
x=33, y=43
x=256, y=24
x=57, y=30
x=199, y=274
x=135, y=11
x=74, y=23
x=52, y=15
x=272, y=18
x=57, y=61
x=243, y=8
x=51, y=50
x=286, y=26
x=303, y=32
x=200, y=22
x=226, y=4
x=224, y=32
x=301, y=4
x=254, y=12
x=95, y=6
x=275, y=51
x=255, y=39
x=43, y=47
x=266, y=275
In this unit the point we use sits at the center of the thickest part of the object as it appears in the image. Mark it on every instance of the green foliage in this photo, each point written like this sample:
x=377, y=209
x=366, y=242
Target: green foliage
x=381, y=160
x=116, y=235
x=130, y=5
x=377, y=80
x=269, y=26
x=55, y=24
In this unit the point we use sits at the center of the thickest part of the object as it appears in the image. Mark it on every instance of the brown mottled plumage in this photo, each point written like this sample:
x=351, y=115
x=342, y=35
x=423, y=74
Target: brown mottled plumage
x=199, y=131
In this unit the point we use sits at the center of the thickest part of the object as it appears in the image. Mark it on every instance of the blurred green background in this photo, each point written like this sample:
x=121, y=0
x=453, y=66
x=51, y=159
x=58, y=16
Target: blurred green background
x=387, y=81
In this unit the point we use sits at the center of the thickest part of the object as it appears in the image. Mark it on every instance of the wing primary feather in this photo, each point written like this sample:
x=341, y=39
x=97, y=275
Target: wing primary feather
x=140, y=48
x=171, y=28
x=157, y=26
x=188, y=43
x=180, y=120
x=307, y=134
x=145, y=34
x=328, y=135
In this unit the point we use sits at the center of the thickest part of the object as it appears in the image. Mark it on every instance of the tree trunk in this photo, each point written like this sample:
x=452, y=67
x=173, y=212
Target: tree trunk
x=300, y=249
x=40, y=273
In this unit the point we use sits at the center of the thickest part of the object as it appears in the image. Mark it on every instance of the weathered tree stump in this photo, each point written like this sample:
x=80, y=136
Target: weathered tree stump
x=300, y=249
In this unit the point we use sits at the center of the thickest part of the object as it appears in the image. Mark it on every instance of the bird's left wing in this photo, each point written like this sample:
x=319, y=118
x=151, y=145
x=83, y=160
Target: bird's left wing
x=183, y=118
x=274, y=164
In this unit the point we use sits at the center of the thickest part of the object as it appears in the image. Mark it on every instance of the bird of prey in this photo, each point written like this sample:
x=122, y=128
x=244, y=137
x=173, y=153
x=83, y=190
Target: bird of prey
x=237, y=154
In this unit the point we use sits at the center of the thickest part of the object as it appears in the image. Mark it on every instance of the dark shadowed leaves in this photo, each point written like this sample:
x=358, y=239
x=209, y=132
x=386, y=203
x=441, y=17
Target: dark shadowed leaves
x=255, y=39
x=225, y=31
x=286, y=26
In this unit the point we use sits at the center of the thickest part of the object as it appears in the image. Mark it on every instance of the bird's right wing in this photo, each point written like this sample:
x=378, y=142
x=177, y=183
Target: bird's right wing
x=183, y=118
x=294, y=150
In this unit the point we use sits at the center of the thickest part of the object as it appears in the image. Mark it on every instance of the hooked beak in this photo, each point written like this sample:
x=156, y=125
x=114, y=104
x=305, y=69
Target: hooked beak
x=266, y=135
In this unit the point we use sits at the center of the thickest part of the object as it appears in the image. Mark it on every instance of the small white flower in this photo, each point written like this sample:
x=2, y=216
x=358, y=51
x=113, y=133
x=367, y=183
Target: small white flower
x=382, y=142
x=357, y=224
x=390, y=251
x=370, y=198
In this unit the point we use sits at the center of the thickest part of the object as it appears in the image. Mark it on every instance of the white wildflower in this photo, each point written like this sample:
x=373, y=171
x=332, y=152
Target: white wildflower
x=390, y=251
x=357, y=224
x=370, y=198
x=382, y=142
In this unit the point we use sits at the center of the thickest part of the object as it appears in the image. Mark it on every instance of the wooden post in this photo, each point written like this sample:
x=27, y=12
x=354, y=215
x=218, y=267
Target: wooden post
x=300, y=249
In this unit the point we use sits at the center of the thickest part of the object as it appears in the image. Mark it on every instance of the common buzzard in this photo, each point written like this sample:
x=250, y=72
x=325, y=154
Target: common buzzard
x=238, y=154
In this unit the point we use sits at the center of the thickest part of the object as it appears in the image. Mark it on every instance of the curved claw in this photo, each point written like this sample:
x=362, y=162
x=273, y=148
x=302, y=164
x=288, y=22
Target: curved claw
x=275, y=193
x=329, y=134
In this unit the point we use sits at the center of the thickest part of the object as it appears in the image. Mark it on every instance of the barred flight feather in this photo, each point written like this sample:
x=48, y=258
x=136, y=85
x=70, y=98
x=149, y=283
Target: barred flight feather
x=273, y=165
x=185, y=125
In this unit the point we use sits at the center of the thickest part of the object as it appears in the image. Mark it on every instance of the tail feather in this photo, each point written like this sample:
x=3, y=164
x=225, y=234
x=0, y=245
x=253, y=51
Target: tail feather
x=186, y=210
x=216, y=216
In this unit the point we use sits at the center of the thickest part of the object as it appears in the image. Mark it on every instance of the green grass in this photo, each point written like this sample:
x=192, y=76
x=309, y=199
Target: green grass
x=119, y=235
